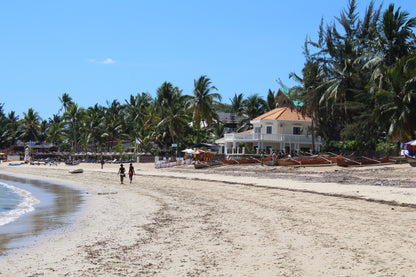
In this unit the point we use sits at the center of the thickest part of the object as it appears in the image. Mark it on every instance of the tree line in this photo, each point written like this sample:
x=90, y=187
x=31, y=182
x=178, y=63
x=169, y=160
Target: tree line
x=358, y=85
x=358, y=82
x=171, y=117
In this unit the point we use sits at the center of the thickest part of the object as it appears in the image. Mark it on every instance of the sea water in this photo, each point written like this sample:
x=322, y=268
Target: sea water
x=14, y=202
x=31, y=209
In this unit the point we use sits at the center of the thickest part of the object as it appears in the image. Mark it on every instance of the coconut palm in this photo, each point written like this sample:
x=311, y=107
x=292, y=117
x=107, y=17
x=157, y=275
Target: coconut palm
x=202, y=103
x=395, y=102
x=93, y=126
x=66, y=101
x=31, y=123
x=136, y=113
x=397, y=38
x=271, y=102
x=113, y=122
x=254, y=106
x=176, y=118
x=73, y=117
x=237, y=104
x=13, y=126
x=56, y=133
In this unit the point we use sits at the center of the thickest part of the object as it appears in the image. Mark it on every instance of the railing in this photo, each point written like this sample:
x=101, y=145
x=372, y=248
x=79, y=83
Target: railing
x=270, y=138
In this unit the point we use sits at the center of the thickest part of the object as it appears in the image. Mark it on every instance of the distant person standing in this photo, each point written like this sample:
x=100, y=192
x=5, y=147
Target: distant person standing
x=131, y=172
x=102, y=163
x=122, y=173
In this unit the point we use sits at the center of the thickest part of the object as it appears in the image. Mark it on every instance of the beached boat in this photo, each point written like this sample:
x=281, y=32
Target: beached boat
x=200, y=165
x=15, y=164
x=343, y=161
x=244, y=160
x=78, y=170
x=308, y=160
x=411, y=161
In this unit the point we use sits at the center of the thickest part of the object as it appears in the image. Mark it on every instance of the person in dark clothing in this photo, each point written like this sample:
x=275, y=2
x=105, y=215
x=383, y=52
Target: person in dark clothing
x=122, y=173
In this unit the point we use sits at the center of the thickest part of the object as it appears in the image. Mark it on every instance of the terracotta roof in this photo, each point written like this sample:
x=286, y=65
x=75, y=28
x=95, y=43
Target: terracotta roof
x=284, y=113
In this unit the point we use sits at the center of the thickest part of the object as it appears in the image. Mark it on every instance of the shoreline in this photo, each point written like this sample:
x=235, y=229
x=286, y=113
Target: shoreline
x=184, y=221
x=54, y=210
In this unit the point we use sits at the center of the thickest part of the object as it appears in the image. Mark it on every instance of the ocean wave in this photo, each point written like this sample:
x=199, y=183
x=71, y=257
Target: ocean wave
x=25, y=205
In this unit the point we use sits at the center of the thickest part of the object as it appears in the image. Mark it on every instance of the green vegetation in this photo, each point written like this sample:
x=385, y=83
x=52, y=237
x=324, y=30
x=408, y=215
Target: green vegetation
x=358, y=84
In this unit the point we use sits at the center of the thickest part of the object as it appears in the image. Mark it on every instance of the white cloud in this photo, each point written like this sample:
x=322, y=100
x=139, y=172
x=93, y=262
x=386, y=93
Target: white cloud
x=106, y=61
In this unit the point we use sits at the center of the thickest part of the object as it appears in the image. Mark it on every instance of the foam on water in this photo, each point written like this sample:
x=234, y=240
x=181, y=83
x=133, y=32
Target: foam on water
x=25, y=204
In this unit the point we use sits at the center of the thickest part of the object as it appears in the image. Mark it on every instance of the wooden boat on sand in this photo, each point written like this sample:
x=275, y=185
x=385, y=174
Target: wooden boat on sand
x=343, y=161
x=411, y=160
x=309, y=160
x=244, y=160
x=78, y=170
x=200, y=165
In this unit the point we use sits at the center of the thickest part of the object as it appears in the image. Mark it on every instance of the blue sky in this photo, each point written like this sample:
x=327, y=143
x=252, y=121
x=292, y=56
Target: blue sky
x=104, y=50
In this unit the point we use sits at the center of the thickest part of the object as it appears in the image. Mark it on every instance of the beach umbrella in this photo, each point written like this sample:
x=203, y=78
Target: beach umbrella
x=189, y=151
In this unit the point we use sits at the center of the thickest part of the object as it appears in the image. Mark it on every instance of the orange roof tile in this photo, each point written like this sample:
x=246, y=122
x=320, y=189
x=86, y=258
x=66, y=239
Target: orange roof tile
x=284, y=113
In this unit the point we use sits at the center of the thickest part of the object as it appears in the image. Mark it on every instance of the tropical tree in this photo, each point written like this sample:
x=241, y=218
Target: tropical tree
x=396, y=100
x=73, y=117
x=137, y=114
x=271, y=102
x=66, y=101
x=13, y=126
x=113, y=125
x=202, y=103
x=5, y=132
x=237, y=104
x=396, y=38
x=56, y=133
x=177, y=117
x=254, y=106
x=31, y=123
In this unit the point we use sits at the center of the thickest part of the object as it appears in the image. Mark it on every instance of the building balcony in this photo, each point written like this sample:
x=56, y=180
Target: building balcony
x=270, y=138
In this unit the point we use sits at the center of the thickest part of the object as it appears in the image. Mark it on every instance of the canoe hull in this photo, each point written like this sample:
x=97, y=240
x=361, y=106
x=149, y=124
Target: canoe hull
x=411, y=161
x=344, y=162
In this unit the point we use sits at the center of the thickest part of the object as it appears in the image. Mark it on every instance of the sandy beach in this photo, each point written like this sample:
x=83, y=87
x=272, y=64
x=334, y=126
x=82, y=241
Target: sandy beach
x=229, y=221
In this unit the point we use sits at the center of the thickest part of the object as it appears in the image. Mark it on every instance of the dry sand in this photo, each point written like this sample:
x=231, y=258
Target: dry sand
x=230, y=221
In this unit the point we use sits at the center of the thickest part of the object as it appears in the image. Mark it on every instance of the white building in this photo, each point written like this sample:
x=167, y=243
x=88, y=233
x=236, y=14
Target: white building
x=281, y=129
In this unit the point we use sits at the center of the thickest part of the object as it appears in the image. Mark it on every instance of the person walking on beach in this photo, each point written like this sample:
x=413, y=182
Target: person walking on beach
x=102, y=163
x=121, y=172
x=131, y=172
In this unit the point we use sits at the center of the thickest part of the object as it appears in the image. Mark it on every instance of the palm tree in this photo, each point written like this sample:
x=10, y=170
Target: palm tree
x=113, y=122
x=13, y=126
x=31, y=125
x=254, y=106
x=136, y=113
x=74, y=115
x=271, y=101
x=66, y=101
x=94, y=125
x=176, y=117
x=165, y=96
x=237, y=104
x=202, y=103
x=396, y=34
x=56, y=133
x=395, y=102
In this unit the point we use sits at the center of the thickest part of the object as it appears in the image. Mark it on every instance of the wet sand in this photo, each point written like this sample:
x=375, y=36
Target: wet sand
x=56, y=211
x=230, y=221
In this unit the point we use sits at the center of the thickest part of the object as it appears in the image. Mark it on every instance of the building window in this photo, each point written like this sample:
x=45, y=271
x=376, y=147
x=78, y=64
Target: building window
x=268, y=129
x=297, y=130
x=257, y=130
